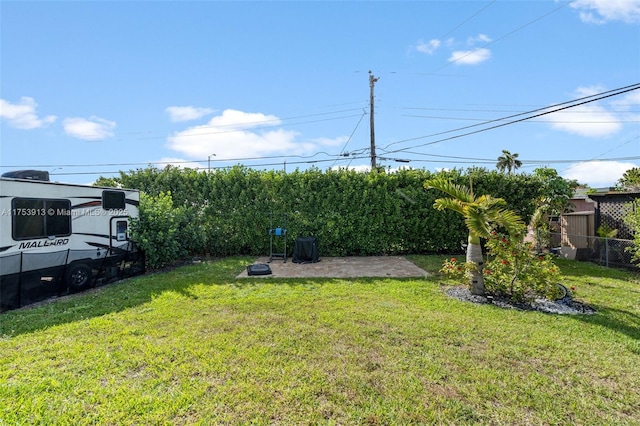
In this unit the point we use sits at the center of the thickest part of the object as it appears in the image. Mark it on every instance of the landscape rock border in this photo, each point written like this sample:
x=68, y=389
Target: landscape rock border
x=572, y=307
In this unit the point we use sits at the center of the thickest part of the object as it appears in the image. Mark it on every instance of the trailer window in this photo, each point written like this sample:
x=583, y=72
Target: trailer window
x=40, y=218
x=113, y=200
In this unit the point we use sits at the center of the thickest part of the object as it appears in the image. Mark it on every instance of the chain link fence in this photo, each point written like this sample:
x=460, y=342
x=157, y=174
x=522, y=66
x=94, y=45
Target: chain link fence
x=600, y=250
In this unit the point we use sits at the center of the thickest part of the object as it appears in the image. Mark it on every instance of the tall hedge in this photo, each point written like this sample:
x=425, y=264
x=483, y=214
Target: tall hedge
x=230, y=211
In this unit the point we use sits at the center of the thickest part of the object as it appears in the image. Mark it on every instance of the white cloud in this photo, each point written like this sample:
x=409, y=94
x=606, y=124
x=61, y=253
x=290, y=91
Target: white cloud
x=23, y=114
x=591, y=120
x=625, y=107
x=586, y=120
x=237, y=134
x=466, y=57
x=470, y=57
x=187, y=113
x=89, y=129
x=603, y=11
x=235, y=119
x=597, y=174
x=480, y=38
x=428, y=48
x=626, y=102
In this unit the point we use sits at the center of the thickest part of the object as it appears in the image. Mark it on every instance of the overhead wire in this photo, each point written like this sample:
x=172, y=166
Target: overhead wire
x=342, y=151
x=485, y=7
x=431, y=117
x=546, y=110
x=361, y=117
x=605, y=153
x=586, y=99
x=221, y=167
x=500, y=38
x=243, y=126
x=462, y=160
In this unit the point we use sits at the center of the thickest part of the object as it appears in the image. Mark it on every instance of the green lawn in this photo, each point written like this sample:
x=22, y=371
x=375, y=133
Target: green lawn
x=197, y=346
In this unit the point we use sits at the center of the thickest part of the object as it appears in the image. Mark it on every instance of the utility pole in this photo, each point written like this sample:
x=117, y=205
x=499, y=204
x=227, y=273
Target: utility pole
x=372, y=82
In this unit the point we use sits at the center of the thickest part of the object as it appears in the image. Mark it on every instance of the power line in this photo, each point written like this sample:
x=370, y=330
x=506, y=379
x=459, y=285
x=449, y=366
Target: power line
x=485, y=7
x=452, y=158
x=160, y=163
x=586, y=99
x=242, y=127
x=559, y=107
x=431, y=117
x=500, y=38
x=604, y=153
x=224, y=167
x=623, y=109
x=342, y=152
x=447, y=159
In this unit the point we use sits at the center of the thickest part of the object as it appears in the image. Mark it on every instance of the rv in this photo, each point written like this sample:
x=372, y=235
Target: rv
x=57, y=238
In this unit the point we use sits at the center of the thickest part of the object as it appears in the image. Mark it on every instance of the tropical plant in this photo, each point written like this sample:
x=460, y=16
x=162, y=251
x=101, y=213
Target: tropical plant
x=509, y=162
x=630, y=180
x=513, y=270
x=482, y=215
x=555, y=193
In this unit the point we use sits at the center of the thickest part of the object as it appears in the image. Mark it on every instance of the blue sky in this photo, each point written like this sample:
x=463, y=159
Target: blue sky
x=91, y=88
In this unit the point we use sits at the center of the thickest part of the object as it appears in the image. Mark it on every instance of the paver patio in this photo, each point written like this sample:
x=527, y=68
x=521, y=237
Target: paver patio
x=342, y=267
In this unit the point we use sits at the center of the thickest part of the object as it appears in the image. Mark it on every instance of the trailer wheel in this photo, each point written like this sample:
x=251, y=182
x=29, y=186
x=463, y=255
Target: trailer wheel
x=78, y=276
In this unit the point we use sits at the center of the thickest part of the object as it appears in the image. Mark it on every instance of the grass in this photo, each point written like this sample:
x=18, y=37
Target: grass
x=196, y=346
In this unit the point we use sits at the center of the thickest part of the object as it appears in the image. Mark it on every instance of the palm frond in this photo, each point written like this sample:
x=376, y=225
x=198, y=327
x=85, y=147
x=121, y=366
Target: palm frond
x=477, y=223
x=451, y=204
x=489, y=202
x=456, y=191
x=481, y=214
x=509, y=220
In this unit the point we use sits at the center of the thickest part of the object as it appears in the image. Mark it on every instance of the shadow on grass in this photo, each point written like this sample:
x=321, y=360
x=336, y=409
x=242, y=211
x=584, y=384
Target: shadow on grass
x=137, y=291
x=120, y=295
x=618, y=320
x=624, y=282
x=140, y=290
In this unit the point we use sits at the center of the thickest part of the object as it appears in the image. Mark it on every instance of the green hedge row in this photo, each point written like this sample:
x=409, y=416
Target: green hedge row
x=230, y=211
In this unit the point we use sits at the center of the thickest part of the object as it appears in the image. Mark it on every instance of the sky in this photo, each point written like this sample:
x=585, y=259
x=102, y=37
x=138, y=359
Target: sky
x=91, y=88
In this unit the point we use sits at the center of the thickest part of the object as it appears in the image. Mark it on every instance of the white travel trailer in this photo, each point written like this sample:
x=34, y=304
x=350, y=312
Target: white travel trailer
x=60, y=238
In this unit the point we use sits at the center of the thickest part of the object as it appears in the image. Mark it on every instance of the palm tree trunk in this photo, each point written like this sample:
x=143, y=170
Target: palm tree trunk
x=474, y=254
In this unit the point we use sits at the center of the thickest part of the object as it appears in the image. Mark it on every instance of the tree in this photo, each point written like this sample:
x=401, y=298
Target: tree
x=553, y=200
x=630, y=180
x=481, y=214
x=509, y=162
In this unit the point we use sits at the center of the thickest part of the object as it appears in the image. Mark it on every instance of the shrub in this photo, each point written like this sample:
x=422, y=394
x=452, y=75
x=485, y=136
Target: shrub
x=516, y=272
x=513, y=270
x=157, y=230
x=228, y=211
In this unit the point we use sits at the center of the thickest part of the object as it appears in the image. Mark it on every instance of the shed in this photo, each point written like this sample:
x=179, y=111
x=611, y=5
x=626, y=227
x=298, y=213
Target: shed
x=577, y=228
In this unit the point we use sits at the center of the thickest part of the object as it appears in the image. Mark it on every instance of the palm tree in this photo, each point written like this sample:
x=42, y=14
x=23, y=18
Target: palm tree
x=509, y=162
x=481, y=215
